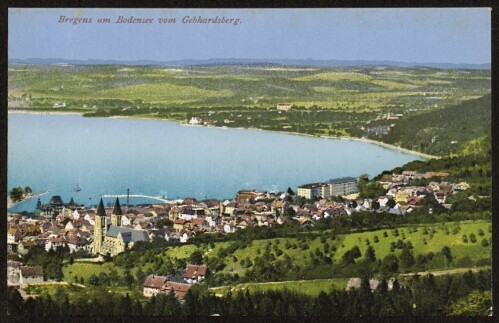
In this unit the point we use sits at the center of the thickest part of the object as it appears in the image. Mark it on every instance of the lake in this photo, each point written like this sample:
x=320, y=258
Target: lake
x=156, y=158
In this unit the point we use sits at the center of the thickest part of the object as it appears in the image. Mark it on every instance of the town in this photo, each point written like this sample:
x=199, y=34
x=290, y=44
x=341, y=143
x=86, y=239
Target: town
x=109, y=231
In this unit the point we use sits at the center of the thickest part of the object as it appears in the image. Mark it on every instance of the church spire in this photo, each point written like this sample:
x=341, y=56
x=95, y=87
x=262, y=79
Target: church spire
x=117, y=208
x=100, y=210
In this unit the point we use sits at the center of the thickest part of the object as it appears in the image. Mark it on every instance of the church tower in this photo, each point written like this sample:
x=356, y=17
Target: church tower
x=117, y=214
x=100, y=227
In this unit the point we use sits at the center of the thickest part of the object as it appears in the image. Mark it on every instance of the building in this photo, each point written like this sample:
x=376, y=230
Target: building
x=13, y=272
x=179, y=289
x=152, y=285
x=314, y=190
x=343, y=186
x=113, y=238
x=195, y=273
x=31, y=275
x=56, y=206
x=283, y=106
x=195, y=121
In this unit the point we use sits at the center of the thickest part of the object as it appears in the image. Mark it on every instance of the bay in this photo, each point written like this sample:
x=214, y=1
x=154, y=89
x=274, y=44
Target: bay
x=161, y=158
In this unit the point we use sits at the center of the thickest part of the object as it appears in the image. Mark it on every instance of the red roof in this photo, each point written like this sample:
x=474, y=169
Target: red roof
x=178, y=288
x=153, y=281
x=197, y=221
x=32, y=271
x=193, y=271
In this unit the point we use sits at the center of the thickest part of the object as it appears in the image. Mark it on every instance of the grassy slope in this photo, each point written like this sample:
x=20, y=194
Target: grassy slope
x=300, y=256
x=86, y=270
x=308, y=287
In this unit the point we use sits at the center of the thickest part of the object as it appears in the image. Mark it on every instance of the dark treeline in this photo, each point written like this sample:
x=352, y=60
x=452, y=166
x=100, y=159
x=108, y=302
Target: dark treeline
x=463, y=294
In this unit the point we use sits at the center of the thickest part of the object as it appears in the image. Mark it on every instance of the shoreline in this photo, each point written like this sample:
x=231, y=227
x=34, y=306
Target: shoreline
x=366, y=140
x=11, y=204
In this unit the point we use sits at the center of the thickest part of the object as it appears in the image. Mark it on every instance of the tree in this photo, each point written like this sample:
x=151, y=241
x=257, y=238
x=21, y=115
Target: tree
x=406, y=258
x=16, y=194
x=93, y=280
x=371, y=190
x=390, y=264
x=370, y=254
x=140, y=276
x=196, y=258
x=27, y=190
x=14, y=302
x=447, y=254
x=475, y=304
x=290, y=191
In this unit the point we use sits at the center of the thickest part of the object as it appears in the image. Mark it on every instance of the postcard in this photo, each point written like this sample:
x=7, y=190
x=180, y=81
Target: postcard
x=249, y=162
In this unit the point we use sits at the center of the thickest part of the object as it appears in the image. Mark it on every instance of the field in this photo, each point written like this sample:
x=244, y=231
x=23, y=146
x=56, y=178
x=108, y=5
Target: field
x=434, y=242
x=308, y=287
x=85, y=270
x=346, y=89
x=74, y=292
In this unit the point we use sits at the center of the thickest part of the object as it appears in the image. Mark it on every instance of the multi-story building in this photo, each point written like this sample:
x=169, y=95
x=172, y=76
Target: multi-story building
x=343, y=186
x=314, y=190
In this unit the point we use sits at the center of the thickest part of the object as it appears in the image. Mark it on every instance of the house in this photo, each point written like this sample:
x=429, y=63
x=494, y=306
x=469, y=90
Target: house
x=178, y=224
x=77, y=244
x=31, y=275
x=178, y=289
x=283, y=106
x=195, y=273
x=382, y=200
x=195, y=121
x=24, y=246
x=13, y=235
x=228, y=228
x=13, y=272
x=54, y=242
x=306, y=223
x=185, y=235
x=152, y=285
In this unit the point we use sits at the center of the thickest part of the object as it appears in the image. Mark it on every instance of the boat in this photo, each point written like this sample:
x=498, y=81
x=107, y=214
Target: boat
x=77, y=188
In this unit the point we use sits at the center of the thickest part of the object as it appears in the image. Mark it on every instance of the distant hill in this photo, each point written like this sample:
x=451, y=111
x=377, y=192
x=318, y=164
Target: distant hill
x=245, y=61
x=455, y=129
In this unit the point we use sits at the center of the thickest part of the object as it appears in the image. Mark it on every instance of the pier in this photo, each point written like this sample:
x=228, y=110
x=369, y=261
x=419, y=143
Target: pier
x=158, y=198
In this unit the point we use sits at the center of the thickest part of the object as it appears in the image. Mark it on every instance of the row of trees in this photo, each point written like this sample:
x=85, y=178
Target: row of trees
x=466, y=294
x=18, y=193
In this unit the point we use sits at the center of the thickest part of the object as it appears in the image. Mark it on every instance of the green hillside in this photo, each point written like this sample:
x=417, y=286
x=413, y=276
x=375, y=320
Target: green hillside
x=449, y=130
x=322, y=255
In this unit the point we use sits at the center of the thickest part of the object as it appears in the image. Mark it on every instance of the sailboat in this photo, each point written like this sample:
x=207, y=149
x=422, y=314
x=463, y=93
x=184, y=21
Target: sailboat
x=77, y=188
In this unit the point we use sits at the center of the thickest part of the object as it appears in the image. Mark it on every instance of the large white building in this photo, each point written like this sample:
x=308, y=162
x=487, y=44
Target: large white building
x=343, y=186
x=314, y=190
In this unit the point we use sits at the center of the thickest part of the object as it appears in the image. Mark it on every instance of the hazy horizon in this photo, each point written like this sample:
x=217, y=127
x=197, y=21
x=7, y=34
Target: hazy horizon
x=421, y=35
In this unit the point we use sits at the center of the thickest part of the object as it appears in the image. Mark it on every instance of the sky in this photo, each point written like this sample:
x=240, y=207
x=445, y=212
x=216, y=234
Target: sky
x=424, y=35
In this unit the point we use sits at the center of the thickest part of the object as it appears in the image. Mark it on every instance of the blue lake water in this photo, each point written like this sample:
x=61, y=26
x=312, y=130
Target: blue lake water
x=150, y=157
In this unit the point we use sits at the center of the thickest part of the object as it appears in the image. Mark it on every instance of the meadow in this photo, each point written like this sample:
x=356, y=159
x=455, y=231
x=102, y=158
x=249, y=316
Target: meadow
x=304, y=257
x=344, y=89
x=308, y=287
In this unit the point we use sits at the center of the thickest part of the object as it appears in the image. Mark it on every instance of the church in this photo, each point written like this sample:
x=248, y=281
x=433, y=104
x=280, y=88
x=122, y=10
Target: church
x=112, y=237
